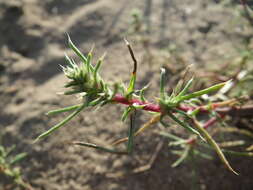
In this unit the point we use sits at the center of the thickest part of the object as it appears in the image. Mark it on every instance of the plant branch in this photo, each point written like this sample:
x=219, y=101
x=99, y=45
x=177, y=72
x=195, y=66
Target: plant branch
x=223, y=108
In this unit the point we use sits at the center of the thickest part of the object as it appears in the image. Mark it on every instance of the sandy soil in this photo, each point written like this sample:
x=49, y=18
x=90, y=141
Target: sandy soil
x=32, y=45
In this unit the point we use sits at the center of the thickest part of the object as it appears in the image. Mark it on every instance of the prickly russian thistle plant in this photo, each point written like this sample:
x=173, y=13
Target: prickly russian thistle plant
x=84, y=80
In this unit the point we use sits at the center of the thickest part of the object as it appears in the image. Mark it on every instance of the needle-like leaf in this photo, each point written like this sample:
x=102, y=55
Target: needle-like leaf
x=17, y=158
x=142, y=93
x=61, y=110
x=212, y=142
x=182, y=157
x=76, y=50
x=126, y=113
x=131, y=85
x=162, y=84
x=171, y=136
x=203, y=155
x=202, y=92
x=186, y=88
x=98, y=147
x=183, y=124
x=131, y=133
x=230, y=152
x=67, y=119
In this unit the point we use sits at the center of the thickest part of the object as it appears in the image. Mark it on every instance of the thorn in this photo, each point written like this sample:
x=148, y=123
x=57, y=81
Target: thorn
x=60, y=93
x=92, y=48
x=62, y=67
x=69, y=39
x=127, y=43
x=132, y=55
x=103, y=56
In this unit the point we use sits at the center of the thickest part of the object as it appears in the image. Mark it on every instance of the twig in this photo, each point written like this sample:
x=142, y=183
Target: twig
x=239, y=111
x=152, y=159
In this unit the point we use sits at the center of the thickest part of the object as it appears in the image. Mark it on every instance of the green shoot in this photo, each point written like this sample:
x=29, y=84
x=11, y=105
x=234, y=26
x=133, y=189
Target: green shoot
x=7, y=166
x=181, y=106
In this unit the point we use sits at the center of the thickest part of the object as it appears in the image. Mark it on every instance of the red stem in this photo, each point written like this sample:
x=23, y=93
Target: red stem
x=148, y=106
x=212, y=121
x=245, y=111
x=154, y=107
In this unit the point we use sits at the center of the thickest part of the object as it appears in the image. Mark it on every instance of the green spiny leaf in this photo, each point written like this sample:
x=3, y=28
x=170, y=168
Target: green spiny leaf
x=72, y=92
x=230, y=152
x=142, y=93
x=183, y=124
x=182, y=113
x=70, y=61
x=18, y=158
x=131, y=85
x=162, y=84
x=182, y=157
x=212, y=142
x=131, y=133
x=186, y=88
x=67, y=119
x=95, y=102
x=76, y=50
x=96, y=69
x=66, y=109
x=88, y=63
x=114, y=92
x=10, y=150
x=202, y=92
x=127, y=111
x=169, y=135
x=203, y=155
x=71, y=83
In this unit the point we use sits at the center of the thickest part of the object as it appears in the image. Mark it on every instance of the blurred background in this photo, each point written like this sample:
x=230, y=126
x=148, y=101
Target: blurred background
x=213, y=35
